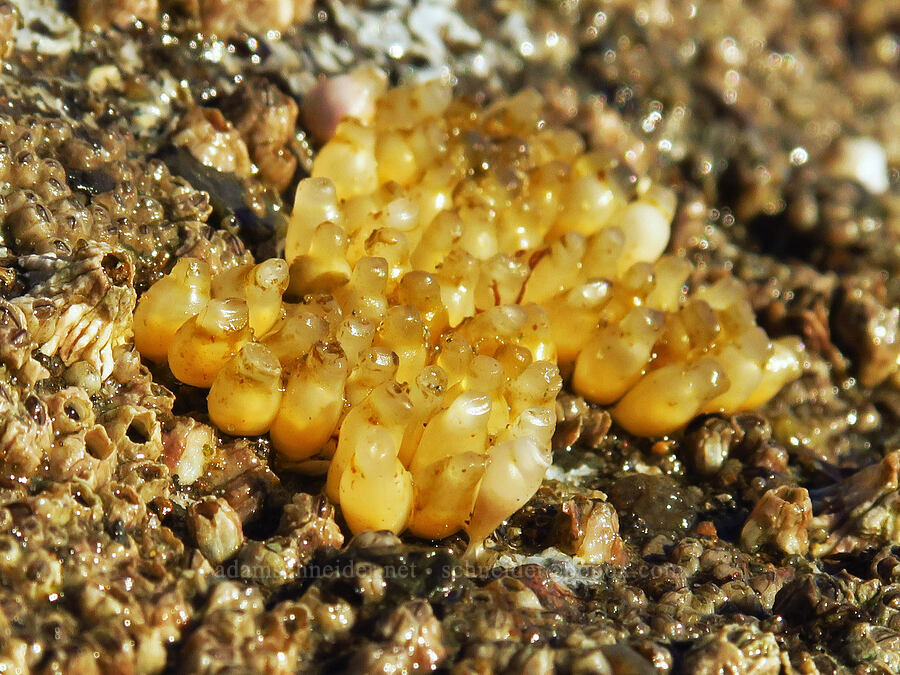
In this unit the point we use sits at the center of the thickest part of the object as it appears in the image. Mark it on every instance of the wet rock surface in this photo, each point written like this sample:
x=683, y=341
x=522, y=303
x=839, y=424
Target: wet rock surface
x=134, y=537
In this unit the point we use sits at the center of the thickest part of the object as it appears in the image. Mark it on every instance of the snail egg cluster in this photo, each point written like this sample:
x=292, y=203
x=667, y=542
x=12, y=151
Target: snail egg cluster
x=442, y=265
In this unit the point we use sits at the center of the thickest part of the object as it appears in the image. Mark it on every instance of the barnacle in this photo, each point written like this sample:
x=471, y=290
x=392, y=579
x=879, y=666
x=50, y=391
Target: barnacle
x=80, y=306
x=442, y=265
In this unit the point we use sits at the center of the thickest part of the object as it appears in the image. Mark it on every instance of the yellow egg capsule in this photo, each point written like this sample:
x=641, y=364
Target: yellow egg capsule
x=261, y=286
x=325, y=267
x=396, y=160
x=392, y=245
x=168, y=304
x=669, y=277
x=355, y=336
x=616, y=355
x=375, y=366
x=403, y=333
x=407, y=107
x=438, y=240
x=500, y=281
x=388, y=408
x=246, y=393
x=537, y=385
x=743, y=362
x=514, y=473
x=602, y=253
x=315, y=202
x=460, y=427
x=573, y=317
x=364, y=295
x=445, y=495
x=426, y=395
x=422, y=291
x=782, y=366
x=376, y=492
x=349, y=160
x=264, y=287
x=646, y=230
x=557, y=270
x=588, y=203
x=458, y=276
x=667, y=399
x=486, y=376
x=312, y=403
x=205, y=342
x=295, y=334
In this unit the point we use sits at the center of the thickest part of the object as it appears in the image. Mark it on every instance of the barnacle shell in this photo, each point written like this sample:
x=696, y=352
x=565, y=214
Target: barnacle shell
x=80, y=307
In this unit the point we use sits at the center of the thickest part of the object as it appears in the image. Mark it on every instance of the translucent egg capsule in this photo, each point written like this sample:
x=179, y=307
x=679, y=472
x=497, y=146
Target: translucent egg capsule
x=429, y=143
x=422, y=291
x=587, y=205
x=392, y=245
x=396, y=159
x=514, y=473
x=458, y=275
x=427, y=396
x=573, y=318
x=261, y=286
x=349, y=160
x=434, y=194
x=454, y=356
x=724, y=293
x=743, y=362
x=364, y=296
x=376, y=365
x=312, y=403
x=479, y=233
x=355, y=336
x=602, y=253
x=294, y=334
x=537, y=334
x=168, y=304
x=324, y=306
x=205, y=342
x=557, y=145
x=646, y=230
x=616, y=355
x=500, y=281
x=460, y=427
x=629, y=291
x=438, y=239
x=782, y=366
x=520, y=114
x=486, y=375
x=669, y=277
x=537, y=422
x=488, y=330
x=406, y=107
x=388, y=408
x=668, y=398
x=514, y=359
x=557, y=270
x=315, y=202
x=445, y=494
x=325, y=267
x=537, y=385
x=662, y=198
x=246, y=394
x=403, y=333
x=376, y=492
